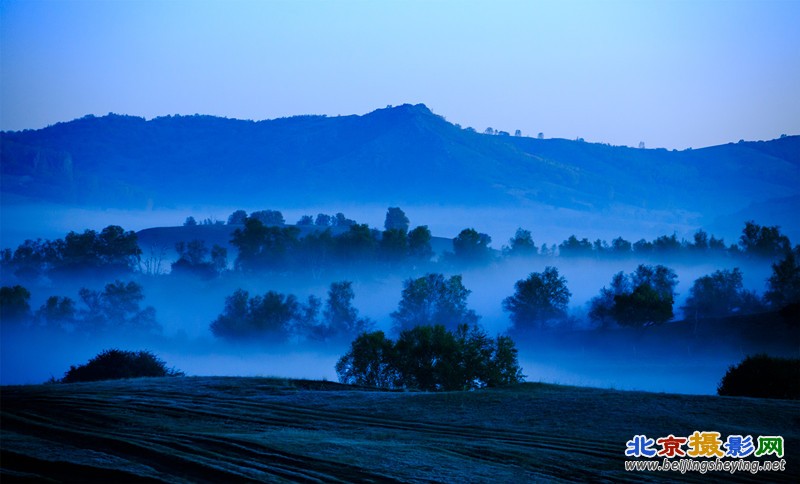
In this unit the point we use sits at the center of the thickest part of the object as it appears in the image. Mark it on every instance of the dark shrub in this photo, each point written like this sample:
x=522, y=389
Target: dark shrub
x=763, y=376
x=115, y=364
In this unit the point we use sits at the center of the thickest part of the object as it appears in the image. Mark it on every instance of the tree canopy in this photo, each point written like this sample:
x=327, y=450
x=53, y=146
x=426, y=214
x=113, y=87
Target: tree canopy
x=431, y=300
x=431, y=358
x=539, y=299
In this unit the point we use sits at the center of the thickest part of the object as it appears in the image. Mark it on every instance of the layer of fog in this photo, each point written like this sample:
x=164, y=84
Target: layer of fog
x=186, y=307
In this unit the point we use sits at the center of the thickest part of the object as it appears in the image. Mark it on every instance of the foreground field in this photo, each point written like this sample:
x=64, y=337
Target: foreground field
x=243, y=429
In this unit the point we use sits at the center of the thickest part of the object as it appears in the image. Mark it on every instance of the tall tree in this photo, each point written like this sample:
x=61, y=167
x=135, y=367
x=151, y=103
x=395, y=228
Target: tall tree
x=521, y=244
x=472, y=247
x=396, y=220
x=14, y=305
x=539, y=299
x=432, y=299
x=419, y=244
x=784, y=283
x=237, y=218
x=763, y=241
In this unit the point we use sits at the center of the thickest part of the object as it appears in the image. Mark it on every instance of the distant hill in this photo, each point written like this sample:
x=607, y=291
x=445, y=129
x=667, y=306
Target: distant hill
x=400, y=155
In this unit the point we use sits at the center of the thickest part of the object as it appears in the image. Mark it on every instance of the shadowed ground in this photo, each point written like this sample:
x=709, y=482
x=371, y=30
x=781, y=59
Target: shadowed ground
x=243, y=429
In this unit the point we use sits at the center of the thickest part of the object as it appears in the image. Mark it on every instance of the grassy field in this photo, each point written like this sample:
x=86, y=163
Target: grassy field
x=204, y=429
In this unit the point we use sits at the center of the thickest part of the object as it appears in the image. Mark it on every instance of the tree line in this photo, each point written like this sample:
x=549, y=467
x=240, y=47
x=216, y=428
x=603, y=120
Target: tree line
x=642, y=298
x=264, y=243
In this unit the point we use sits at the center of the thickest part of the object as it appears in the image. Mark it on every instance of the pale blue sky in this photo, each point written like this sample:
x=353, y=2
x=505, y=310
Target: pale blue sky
x=672, y=74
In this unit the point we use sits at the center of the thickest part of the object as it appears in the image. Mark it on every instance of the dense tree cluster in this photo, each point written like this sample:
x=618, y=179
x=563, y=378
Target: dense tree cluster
x=642, y=298
x=720, y=294
x=431, y=300
x=14, y=304
x=540, y=299
x=195, y=259
x=276, y=248
x=116, y=307
x=431, y=358
x=276, y=317
x=112, y=251
x=472, y=247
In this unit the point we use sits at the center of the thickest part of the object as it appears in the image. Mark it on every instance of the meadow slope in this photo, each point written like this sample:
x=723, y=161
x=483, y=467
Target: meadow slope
x=203, y=429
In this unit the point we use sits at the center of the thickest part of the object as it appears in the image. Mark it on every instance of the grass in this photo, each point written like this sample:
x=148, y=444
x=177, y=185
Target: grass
x=212, y=429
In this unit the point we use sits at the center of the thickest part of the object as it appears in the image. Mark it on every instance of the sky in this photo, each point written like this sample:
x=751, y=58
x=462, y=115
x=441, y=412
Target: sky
x=671, y=74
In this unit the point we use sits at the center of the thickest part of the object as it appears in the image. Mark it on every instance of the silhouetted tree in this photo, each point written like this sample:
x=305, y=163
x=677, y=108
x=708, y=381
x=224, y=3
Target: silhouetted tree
x=269, y=317
x=268, y=217
x=572, y=247
x=117, y=307
x=191, y=254
x=371, y=361
x=642, y=298
x=472, y=247
x=419, y=244
x=341, y=221
x=58, y=313
x=718, y=294
x=394, y=245
x=428, y=359
x=431, y=358
x=111, y=251
x=763, y=241
x=667, y=244
x=521, y=244
x=190, y=222
x=621, y=247
x=700, y=241
x=263, y=248
x=783, y=286
x=642, y=247
x=432, y=299
x=219, y=258
x=651, y=300
x=396, y=220
x=316, y=251
x=600, y=248
x=358, y=244
x=193, y=260
x=323, y=220
x=14, y=307
x=237, y=218
x=32, y=258
x=340, y=316
x=306, y=220
x=601, y=307
x=540, y=299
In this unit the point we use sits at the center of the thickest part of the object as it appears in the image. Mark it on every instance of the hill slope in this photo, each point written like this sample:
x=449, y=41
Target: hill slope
x=400, y=155
x=240, y=429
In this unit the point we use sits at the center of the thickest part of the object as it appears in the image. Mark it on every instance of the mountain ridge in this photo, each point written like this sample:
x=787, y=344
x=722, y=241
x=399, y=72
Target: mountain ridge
x=396, y=155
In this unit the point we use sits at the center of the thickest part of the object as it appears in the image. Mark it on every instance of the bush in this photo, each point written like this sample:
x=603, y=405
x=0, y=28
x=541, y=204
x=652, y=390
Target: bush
x=764, y=377
x=116, y=364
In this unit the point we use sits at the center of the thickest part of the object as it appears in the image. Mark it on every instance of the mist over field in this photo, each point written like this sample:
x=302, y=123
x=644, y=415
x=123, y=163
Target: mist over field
x=563, y=192
x=570, y=352
x=451, y=241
